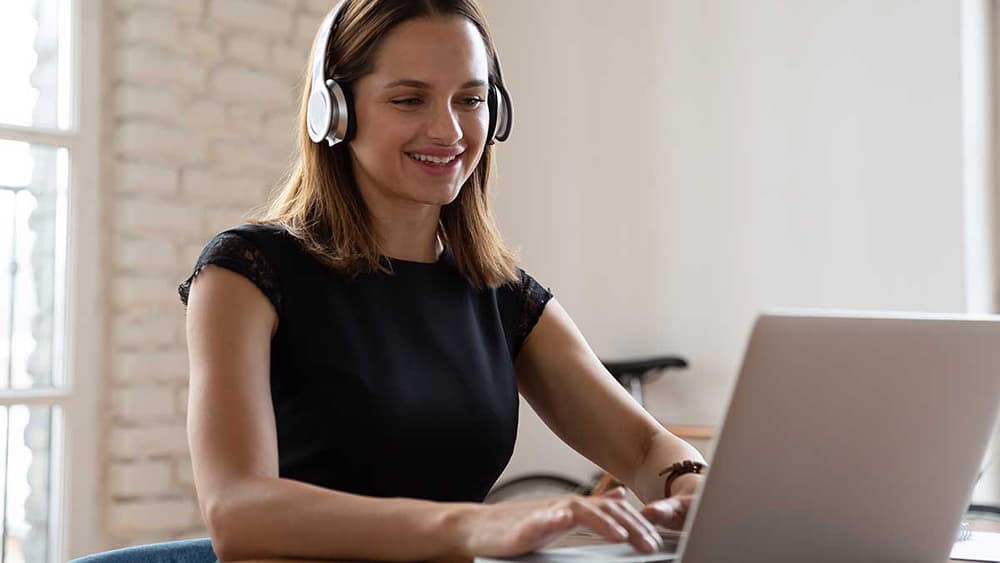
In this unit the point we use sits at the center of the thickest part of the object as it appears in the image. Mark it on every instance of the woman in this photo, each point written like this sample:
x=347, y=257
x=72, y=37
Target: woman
x=356, y=354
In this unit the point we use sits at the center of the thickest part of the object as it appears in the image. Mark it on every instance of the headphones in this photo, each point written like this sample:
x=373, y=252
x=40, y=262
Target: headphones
x=330, y=113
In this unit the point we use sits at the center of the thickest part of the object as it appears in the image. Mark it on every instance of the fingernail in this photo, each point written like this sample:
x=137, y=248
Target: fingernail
x=622, y=533
x=650, y=542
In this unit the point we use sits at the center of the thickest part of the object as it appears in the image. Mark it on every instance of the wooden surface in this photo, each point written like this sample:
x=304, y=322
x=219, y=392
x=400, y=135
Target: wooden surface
x=688, y=432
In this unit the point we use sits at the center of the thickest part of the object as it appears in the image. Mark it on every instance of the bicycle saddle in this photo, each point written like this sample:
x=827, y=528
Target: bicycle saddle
x=644, y=368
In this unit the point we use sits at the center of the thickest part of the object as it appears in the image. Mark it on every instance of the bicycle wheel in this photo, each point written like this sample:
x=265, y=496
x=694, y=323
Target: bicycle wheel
x=534, y=486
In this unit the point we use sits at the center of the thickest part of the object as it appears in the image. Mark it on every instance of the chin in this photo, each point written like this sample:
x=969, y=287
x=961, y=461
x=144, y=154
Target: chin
x=442, y=195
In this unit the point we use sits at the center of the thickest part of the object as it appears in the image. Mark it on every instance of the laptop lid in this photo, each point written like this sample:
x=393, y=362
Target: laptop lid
x=849, y=438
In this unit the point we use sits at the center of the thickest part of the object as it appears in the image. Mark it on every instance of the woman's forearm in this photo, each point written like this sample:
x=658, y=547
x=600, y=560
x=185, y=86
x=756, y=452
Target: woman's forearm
x=664, y=450
x=269, y=518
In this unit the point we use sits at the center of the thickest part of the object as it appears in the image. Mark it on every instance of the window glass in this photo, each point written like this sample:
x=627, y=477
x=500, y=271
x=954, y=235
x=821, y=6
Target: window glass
x=35, y=65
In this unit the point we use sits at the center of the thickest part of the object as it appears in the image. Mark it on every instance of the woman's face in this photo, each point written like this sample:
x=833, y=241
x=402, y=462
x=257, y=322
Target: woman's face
x=426, y=98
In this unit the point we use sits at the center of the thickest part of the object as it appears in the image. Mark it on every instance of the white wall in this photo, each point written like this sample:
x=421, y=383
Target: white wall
x=677, y=166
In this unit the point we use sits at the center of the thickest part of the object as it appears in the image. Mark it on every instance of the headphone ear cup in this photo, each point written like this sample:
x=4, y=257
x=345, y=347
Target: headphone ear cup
x=318, y=114
x=505, y=114
x=493, y=103
x=349, y=112
x=341, y=115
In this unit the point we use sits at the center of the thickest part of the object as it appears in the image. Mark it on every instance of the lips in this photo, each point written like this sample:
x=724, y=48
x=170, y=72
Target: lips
x=435, y=169
x=432, y=159
x=437, y=151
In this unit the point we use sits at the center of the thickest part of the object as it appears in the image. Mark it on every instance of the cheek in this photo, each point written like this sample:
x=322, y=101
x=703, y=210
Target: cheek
x=474, y=132
x=478, y=123
x=379, y=141
x=388, y=133
x=374, y=122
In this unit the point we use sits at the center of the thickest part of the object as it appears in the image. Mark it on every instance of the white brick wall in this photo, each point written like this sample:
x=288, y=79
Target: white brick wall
x=129, y=443
x=144, y=403
x=140, y=178
x=202, y=98
x=152, y=65
x=170, y=515
x=256, y=17
x=146, y=254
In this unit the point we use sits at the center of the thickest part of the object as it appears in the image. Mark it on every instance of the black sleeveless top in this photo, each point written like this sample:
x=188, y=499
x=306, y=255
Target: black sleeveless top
x=388, y=385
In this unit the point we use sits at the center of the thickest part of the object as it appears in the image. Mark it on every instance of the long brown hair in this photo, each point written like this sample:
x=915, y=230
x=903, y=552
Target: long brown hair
x=319, y=202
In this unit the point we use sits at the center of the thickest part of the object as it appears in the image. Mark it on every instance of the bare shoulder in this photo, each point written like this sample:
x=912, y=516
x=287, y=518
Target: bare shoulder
x=219, y=296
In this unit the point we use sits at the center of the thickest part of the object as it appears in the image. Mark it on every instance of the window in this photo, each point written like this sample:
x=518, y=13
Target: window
x=981, y=190
x=49, y=332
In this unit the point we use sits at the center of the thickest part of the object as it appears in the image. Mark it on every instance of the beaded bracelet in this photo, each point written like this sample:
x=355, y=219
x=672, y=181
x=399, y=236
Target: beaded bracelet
x=678, y=469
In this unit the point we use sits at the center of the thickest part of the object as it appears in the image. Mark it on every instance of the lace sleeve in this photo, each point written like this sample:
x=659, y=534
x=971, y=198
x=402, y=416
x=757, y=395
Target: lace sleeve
x=534, y=297
x=234, y=252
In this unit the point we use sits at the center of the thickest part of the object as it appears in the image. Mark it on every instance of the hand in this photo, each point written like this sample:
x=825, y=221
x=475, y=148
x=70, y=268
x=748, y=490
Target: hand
x=514, y=528
x=671, y=512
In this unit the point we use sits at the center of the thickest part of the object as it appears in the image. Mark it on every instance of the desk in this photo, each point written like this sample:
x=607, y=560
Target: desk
x=585, y=537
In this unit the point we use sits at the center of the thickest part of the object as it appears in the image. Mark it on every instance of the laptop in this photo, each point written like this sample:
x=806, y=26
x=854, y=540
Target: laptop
x=848, y=437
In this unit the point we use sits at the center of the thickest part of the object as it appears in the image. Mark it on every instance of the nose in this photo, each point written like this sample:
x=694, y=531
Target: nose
x=444, y=126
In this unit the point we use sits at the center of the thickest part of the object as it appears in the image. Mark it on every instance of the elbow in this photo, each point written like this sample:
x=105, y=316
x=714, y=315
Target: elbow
x=232, y=514
x=224, y=529
x=212, y=511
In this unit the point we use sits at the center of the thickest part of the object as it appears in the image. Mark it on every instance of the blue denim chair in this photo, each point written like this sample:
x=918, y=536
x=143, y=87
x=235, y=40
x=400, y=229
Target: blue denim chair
x=184, y=551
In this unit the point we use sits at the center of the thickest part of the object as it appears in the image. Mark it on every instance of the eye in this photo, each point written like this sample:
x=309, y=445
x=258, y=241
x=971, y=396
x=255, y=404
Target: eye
x=406, y=102
x=473, y=101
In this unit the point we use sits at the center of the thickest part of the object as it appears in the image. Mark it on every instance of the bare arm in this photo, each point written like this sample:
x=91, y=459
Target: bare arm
x=566, y=384
x=251, y=513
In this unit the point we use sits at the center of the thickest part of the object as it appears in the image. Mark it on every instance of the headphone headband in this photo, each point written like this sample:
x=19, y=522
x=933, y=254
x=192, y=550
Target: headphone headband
x=323, y=43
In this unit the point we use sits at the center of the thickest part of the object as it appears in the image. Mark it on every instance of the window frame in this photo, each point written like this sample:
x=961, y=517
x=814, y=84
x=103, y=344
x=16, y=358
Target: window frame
x=75, y=523
x=980, y=70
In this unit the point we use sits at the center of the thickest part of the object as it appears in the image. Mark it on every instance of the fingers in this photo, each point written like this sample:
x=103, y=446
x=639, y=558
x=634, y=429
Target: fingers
x=586, y=514
x=611, y=516
x=636, y=523
x=546, y=526
x=557, y=521
x=642, y=534
x=617, y=492
x=669, y=513
x=633, y=513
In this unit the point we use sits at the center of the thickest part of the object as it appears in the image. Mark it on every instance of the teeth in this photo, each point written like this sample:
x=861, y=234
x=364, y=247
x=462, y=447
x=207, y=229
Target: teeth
x=429, y=158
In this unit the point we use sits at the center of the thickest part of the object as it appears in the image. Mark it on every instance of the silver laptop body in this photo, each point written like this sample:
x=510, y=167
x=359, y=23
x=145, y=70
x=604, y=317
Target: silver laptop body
x=850, y=438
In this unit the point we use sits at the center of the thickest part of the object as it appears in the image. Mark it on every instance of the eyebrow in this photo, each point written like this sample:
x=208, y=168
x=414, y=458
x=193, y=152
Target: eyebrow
x=419, y=84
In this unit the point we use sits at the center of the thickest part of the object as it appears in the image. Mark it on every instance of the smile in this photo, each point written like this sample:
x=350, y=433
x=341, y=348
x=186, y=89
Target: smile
x=441, y=161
